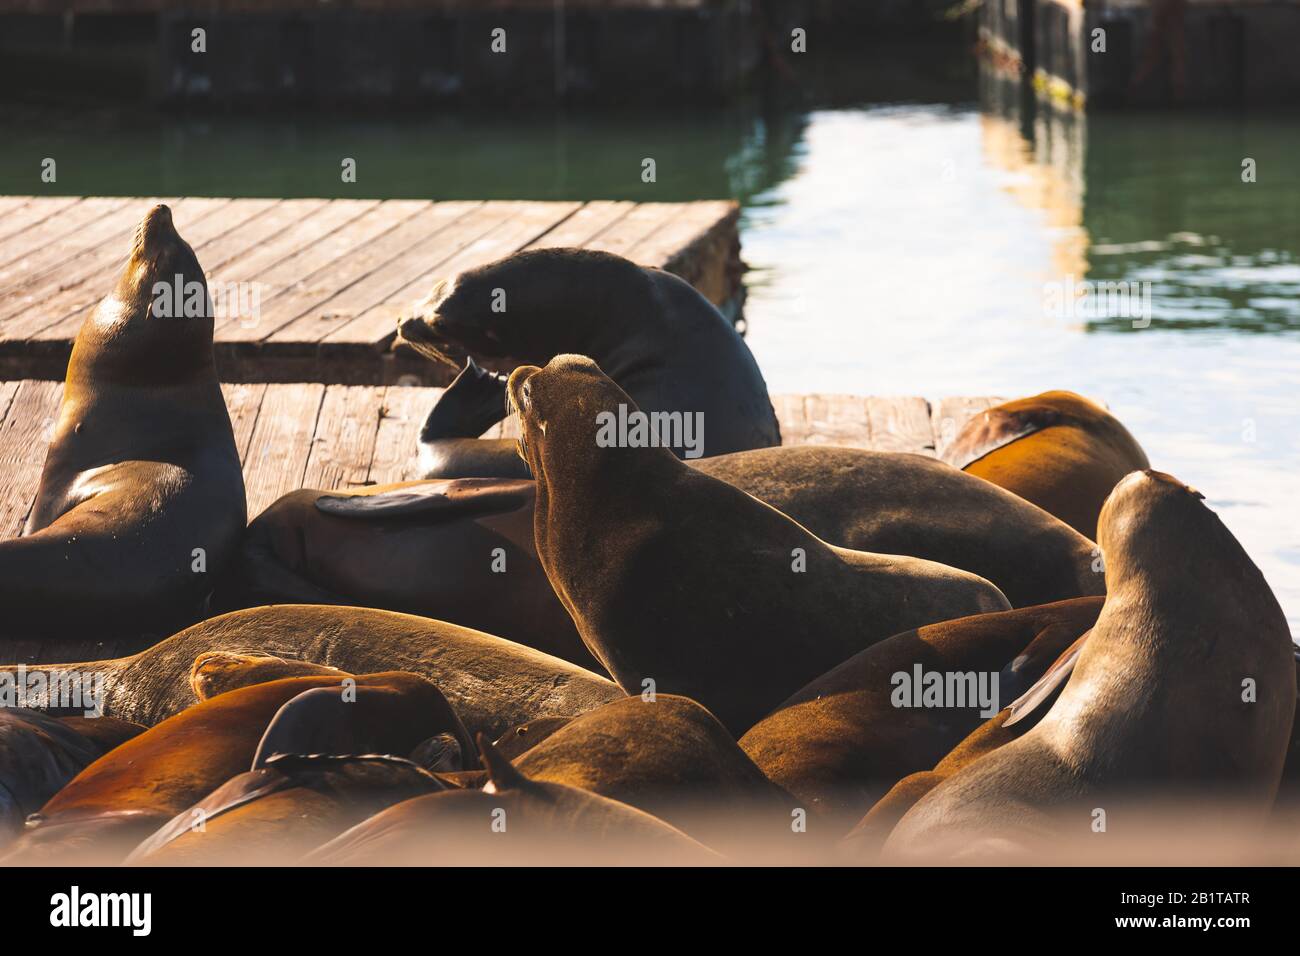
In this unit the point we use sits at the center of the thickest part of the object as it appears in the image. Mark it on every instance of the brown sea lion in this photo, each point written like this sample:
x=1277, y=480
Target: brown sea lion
x=141, y=500
x=493, y=683
x=428, y=547
x=275, y=814
x=215, y=672
x=653, y=333
x=140, y=785
x=1185, y=688
x=671, y=758
x=520, y=739
x=1058, y=449
x=681, y=580
x=512, y=821
x=458, y=550
x=865, y=840
x=843, y=740
x=40, y=753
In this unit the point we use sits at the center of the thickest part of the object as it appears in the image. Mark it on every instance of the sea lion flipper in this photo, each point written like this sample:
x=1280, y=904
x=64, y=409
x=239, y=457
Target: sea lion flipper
x=1047, y=685
x=433, y=501
x=235, y=792
x=473, y=402
x=316, y=721
x=990, y=430
x=502, y=774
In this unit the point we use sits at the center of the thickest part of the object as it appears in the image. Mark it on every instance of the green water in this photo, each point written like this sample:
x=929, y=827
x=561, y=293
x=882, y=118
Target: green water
x=894, y=248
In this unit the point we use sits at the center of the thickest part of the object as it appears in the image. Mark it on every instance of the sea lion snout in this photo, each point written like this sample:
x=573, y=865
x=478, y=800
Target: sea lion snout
x=156, y=233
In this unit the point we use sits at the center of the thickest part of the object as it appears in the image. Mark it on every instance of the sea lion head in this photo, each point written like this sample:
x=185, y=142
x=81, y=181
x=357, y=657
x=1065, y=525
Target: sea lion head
x=527, y=307
x=1152, y=516
x=561, y=411
x=156, y=325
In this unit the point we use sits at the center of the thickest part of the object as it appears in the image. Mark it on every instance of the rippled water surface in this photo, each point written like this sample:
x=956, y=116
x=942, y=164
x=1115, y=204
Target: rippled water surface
x=895, y=249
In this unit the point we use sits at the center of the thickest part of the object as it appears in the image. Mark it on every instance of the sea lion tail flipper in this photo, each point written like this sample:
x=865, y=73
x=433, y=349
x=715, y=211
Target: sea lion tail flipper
x=469, y=406
x=991, y=430
x=1048, y=684
x=502, y=774
x=314, y=722
x=433, y=502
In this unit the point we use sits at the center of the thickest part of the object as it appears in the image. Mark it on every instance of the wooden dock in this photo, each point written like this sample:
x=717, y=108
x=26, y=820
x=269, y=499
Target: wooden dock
x=331, y=277
x=340, y=436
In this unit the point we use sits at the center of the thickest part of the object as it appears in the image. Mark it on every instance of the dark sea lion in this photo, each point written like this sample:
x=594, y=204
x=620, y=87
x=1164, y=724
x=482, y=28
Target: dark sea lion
x=842, y=741
x=40, y=753
x=652, y=333
x=1185, y=689
x=141, y=500
x=140, y=785
x=276, y=813
x=493, y=683
x=675, y=577
x=458, y=550
x=425, y=548
x=1058, y=449
x=671, y=758
x=512, y=821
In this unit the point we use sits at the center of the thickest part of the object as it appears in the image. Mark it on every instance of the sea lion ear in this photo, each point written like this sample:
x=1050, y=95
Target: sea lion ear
x=1055, y=677
x=433, y=502
x=502, y=774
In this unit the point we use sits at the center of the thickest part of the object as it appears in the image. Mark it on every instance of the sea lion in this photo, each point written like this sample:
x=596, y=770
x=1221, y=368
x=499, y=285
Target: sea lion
x=520, y=739
x=274, y=814
x=493, y=683
x=140, y=785
x=512, y=821
x=39, y=753
x=681, y=580
x=843, y=740
x=671, y=758
x=458, y=550
x=428, y=547
x=141, y=500
x=652, y=332
x=1058, y=449
x=1185, y=686
x=867, y=837
x=215, y=672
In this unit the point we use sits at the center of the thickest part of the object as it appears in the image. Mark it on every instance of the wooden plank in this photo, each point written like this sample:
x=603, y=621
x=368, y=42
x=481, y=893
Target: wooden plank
x=584, y=225
x=691, y=222
x=366, y=223
x=243, y=402
x=900, y=424
x=38, y=305
x=10, y=203
x=113, y=229
x=790, y=415
x=403, y=412
x=67, y=222
x=267, y=227
x=344, y=444
x=522, y=223
x=281, y=443
x=948, y=415
x=22, y=220
x=24, y=437
x=639, y=224
x=330, y=297
x=197, y=227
